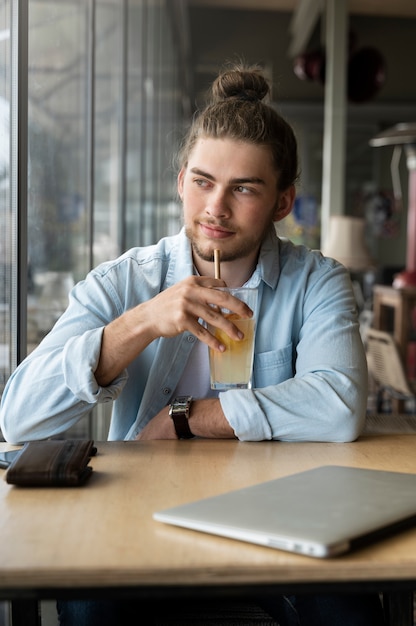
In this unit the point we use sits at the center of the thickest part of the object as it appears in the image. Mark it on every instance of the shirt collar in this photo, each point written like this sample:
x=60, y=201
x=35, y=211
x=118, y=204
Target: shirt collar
x=268, y=266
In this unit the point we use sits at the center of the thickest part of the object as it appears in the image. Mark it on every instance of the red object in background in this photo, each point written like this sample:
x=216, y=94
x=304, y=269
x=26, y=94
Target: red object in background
x=311, y=66
x=411, y=360
x=366, y=72
x=407, y=278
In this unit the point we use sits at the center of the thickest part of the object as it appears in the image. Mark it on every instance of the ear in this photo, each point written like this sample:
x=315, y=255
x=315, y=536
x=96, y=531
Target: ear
x=181, y=176
x=285, y=203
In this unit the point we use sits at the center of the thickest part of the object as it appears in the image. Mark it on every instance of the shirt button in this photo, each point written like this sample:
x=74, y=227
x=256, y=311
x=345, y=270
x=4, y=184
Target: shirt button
x=167, y=391
x=191, y=338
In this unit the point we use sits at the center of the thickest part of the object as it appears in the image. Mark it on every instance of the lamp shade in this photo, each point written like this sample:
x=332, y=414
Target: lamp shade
x=346, y=243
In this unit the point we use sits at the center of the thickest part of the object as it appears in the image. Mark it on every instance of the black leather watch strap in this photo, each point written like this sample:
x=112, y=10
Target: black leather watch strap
x=179, y=412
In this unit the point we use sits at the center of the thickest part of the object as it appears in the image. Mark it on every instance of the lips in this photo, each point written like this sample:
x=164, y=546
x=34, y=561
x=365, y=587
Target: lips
x=215, y=232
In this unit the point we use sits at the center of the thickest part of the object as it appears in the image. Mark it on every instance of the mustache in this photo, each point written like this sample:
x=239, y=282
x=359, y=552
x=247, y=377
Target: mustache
x=218, y=224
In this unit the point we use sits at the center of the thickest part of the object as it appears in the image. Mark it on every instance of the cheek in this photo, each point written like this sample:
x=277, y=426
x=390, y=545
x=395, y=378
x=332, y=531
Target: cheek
x=191, y=201
x=256, y=219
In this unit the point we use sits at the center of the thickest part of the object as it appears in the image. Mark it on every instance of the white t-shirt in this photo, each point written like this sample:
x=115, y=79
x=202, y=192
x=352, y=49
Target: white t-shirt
x=195, y=378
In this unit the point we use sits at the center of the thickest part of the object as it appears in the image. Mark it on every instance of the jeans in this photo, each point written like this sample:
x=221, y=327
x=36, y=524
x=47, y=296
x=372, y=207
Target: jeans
x=302, y=610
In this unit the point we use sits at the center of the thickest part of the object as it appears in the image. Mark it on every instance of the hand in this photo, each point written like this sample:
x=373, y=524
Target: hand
x=179, y=308
x=169, y=313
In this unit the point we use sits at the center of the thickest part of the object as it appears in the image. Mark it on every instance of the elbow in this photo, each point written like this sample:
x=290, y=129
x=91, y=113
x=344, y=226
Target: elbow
x=14, y=427
x=352, y=431
x=352, y=407
x=9, y=434
x=11, y=430
x=6, y=425
x=14, y=409
x=351, y=422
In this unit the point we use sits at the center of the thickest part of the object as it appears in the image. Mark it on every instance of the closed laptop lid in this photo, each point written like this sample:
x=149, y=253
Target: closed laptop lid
x=320, y=512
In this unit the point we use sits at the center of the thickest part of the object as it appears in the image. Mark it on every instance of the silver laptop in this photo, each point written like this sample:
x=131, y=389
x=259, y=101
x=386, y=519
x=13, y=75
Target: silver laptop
x=321, y=512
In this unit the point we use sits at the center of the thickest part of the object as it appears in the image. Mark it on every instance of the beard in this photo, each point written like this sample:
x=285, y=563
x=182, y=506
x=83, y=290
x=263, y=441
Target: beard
x=238, y=250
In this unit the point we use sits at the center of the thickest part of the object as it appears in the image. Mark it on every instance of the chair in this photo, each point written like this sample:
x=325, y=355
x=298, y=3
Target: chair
x=385, y=366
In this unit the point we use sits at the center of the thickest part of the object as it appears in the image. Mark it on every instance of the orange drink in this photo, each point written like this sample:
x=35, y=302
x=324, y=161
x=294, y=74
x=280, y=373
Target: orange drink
x=232, y=369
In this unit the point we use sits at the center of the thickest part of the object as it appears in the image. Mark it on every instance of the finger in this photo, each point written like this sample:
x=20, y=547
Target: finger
x=204, y=335
x=217, y=335
x=218, y=299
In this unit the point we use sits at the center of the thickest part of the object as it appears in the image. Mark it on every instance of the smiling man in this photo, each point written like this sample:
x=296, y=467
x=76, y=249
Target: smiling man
x=135, y=329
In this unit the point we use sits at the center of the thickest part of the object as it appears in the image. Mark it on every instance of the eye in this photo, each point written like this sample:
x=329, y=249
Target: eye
x=242, y=189
x=201, y=182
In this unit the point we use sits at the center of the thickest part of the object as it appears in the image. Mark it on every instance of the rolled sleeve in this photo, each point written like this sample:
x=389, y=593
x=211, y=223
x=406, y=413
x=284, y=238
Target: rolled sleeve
x=79, y=362
x=245, y=416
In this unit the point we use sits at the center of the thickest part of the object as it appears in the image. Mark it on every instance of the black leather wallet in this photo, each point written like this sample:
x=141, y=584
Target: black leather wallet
x=55, y=463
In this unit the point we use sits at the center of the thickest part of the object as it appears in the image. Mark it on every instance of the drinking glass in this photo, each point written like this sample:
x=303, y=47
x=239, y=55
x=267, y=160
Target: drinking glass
x=232, y=369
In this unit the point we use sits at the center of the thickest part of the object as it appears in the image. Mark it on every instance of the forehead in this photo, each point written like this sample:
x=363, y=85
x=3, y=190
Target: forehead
x=232, y=157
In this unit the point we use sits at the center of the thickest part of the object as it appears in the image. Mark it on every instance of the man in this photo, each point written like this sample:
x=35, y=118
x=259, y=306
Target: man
x=134, y=330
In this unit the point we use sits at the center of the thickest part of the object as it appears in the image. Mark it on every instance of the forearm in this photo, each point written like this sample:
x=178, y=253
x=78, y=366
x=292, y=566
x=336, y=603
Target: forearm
x=37, y=404
x=122, y=340
x=54, y=387
x=168, y=314
x=316, y=407
x=206, y=419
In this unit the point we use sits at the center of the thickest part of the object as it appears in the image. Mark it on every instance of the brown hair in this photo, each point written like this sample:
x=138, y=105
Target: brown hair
x=238, y=110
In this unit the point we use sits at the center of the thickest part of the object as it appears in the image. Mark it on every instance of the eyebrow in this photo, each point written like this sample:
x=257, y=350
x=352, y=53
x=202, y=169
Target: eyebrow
x=234, y=181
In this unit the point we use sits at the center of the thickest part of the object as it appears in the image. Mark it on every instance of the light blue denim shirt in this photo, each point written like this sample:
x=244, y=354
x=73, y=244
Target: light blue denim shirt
x=310, y=372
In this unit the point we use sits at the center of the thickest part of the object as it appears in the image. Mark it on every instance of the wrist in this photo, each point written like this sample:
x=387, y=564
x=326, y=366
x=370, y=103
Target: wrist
x=208, y=420
x=179, y=412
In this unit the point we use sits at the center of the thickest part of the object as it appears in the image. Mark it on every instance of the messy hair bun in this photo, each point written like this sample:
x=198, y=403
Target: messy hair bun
x=238, y=111
x=240, y=83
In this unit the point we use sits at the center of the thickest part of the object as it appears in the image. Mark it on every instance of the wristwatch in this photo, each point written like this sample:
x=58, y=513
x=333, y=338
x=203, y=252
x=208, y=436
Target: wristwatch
x=179, y=412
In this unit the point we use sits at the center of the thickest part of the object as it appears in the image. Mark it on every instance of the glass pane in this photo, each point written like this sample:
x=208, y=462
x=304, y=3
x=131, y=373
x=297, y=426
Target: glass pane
x=104, y=107
x=136, y=55
x=108, y=131
x=153, y=124
x=170, y=133
x=58, y=216
x=6, y=219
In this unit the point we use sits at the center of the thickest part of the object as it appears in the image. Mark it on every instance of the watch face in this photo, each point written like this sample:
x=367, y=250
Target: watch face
x=180, y=405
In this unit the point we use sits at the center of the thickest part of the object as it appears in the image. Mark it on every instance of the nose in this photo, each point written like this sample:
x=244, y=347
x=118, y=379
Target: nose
x=218, y=205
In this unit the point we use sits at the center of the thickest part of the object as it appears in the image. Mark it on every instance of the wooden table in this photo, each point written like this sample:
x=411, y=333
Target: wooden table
x=100, y=539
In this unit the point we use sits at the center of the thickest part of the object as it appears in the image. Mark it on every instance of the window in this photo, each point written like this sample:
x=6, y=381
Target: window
x=105, y=108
